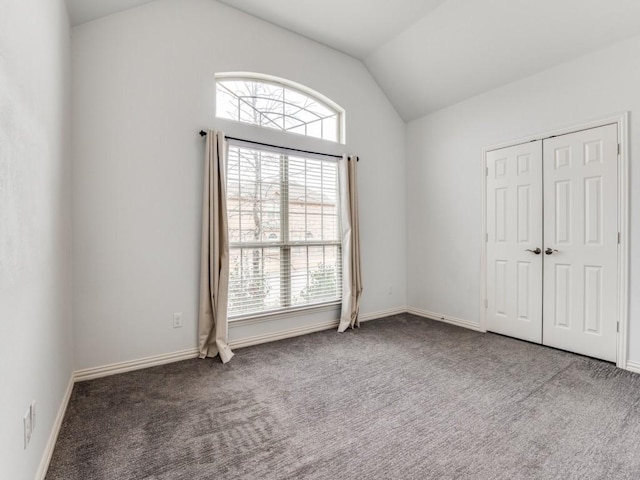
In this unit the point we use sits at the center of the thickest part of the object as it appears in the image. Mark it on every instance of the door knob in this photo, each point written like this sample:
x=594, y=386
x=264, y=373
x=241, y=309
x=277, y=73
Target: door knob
x=549, y=251
x=537, y=251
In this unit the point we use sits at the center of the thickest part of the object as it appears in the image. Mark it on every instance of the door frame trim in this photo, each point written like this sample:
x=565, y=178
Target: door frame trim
x=622, y=121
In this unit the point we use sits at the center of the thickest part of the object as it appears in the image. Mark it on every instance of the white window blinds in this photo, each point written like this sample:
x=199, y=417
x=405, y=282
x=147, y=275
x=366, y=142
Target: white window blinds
x=284, y=230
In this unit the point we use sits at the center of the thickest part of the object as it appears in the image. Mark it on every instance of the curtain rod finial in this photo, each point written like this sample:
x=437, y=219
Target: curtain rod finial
x=202, y=133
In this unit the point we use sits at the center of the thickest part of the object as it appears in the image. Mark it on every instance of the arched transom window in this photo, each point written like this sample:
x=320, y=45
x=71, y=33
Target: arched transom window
x=278, y=104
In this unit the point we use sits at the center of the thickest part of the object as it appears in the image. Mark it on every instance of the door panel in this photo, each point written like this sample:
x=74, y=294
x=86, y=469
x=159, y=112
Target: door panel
x=514, y=224
x=580, y=218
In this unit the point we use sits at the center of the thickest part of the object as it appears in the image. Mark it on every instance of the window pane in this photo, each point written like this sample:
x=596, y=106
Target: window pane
x=254, y=280
x=314, y=224
x=270, y=105
x=297, y=227
x=253, y=196
x=226, y=104
x=233, y=216
x=271, y=120
x=330, y=227
x=315, y=274
x=314, y=128
x=330, y=128
x=313, y=200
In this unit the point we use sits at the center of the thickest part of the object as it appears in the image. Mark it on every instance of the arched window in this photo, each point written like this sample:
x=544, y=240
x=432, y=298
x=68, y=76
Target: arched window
x=279, y=104
x=283, y=204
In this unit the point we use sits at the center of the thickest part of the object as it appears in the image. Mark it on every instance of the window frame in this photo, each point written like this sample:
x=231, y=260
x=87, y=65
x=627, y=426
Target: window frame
x=286, y=84
x=285, y=244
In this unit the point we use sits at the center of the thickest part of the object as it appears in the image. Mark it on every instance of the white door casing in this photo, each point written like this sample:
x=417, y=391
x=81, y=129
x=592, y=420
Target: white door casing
x=581, y=228
x=514, y=232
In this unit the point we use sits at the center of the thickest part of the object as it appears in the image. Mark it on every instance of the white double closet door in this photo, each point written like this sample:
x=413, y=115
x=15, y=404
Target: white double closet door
x=552, y=241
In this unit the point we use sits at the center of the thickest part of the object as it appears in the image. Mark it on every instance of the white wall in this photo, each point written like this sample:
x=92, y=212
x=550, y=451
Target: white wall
x=35, y=228
x=444, y=157
x=143, y=88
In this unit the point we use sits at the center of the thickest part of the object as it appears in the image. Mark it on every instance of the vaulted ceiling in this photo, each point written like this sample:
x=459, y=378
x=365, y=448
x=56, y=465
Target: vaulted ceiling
x=467, y=47
x=81, y=11
x=428, y=54
x=356, y=27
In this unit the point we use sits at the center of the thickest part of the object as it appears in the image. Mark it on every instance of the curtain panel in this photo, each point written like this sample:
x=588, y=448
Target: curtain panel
x=351, y=270
x=214, y=263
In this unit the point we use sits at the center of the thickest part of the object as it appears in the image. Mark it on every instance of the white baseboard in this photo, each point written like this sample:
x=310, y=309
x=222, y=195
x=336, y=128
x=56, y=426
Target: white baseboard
x=365, y=317
x=114, y=368
x=55, y=430
x=121, y=367
x=633, y=366
x=446, y=319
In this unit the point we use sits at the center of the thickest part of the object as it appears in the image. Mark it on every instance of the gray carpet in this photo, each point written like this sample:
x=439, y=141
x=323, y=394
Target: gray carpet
x=400, y=398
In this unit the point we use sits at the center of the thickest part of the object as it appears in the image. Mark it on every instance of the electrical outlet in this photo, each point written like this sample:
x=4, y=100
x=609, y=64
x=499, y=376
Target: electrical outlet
x=390, y=290
x=33, y=416
x=27, y=427
x=177, y=320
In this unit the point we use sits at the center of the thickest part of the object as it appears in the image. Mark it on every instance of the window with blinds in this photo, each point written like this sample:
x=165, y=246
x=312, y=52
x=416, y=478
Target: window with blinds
x=284, y=230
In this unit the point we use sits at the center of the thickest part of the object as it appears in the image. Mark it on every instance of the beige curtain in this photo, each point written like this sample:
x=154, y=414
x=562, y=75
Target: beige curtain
x=214, y=262
x=351, y=272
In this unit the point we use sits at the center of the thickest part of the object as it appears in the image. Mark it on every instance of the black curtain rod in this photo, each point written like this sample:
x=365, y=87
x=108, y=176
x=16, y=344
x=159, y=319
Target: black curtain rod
x=204, y=134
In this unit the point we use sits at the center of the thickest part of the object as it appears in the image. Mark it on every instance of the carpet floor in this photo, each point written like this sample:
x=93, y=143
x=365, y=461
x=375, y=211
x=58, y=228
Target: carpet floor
x=400, y=398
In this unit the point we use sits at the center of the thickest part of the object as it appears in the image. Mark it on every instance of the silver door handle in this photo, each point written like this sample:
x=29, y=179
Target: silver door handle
x=537, y=251
x=549, y=251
